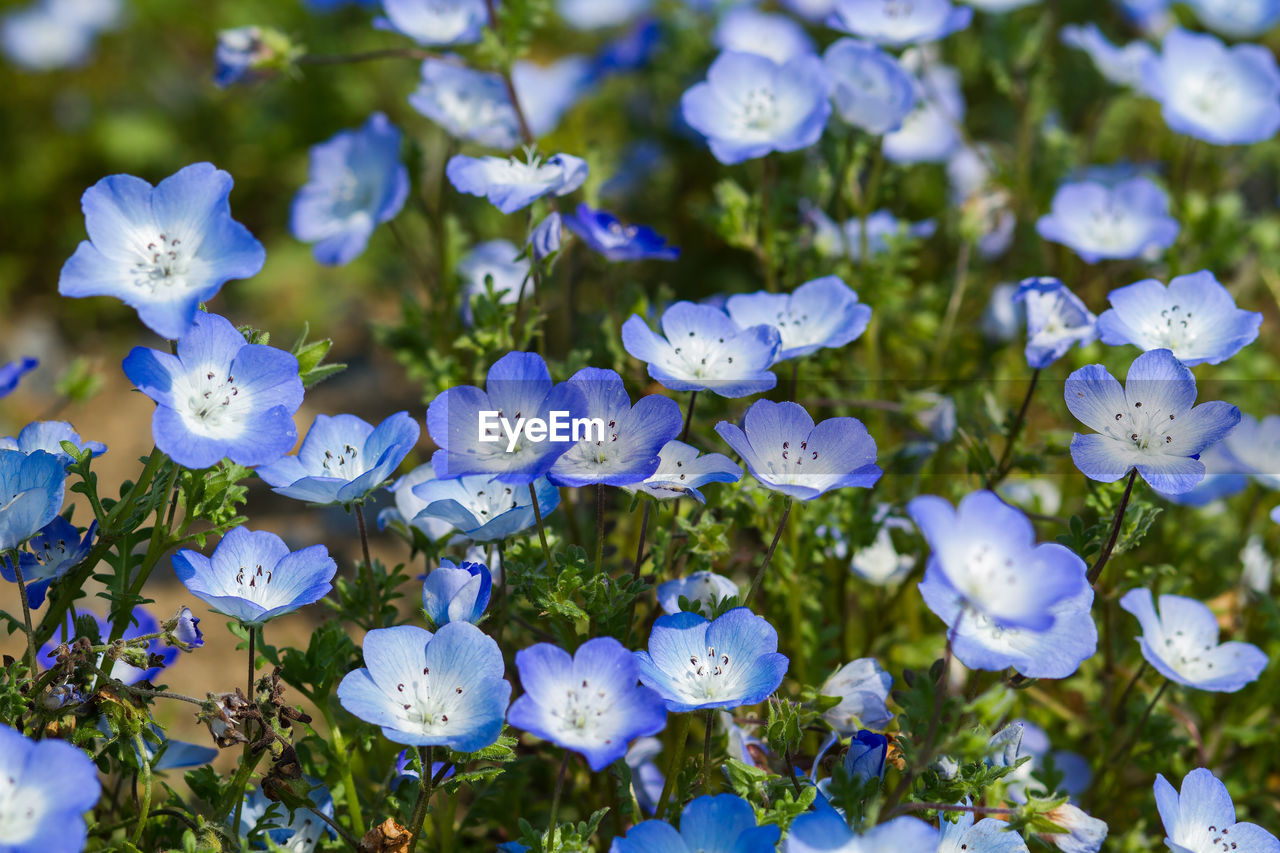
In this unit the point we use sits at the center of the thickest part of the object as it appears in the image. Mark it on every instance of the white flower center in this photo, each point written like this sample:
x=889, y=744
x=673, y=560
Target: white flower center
x=345, y=463
x=211, y=402
x=700, y=357
x=425, y=707
x=786, y=466
x=21, y=811
x=584, y=710
x=1186, y=654
x=758, y=110
x=488, y=504
x=712, y=676
x=164, y=263
x=1148, y=429
x=253, y=583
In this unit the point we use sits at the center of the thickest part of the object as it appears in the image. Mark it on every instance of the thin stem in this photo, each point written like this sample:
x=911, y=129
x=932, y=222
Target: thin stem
x=706, y=752
x=1118, y=713
x=352, y=841
x=542, y=533
x=555, y=798
x=425, y=756
x=1006, y=458
x=253, y=661
x=525, y=133
x=1095, y=572
x=1122, y=754
x=953, y=305
x=599, y=527
x=26, y=612
x=868, y=199
x=949, y=807
x=644, y=530
x=755, y=581
x=237, y=788
x=366, y=56
x=688, y=416
x=375, y=611
x=673, y=767
x=344, y=768
x=144, y=807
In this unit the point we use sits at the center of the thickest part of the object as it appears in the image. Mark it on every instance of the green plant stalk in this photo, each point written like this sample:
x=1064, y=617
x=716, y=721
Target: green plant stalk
x=555, y=797
x=26, y=612
x=425, y=757
x=706, y=752
x=144, y=807
x=542, y=531
x=1095, y=571
x=681, y=732
x=344, y=770
x=773, y=546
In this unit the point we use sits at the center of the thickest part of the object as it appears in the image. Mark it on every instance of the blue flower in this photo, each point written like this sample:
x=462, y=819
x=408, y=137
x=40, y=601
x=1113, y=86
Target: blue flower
x=141, y=623
x=996, y=7
x=600, y=14
x=815, y=11
x=185, y=630
x=704, y=350
x=786, y=452
x=298, y=831
x=931, y=132
x=252, y=575
x=50, y=554
x=1224, y=475
x=696, y=664
x=1149, y=424
x=985, y=559
x=825, y=830
x=589, y=703
x=870, y=89
x=409, y=507
x=720, y=824
x=481, y=431
x=405, y=770
x=863, y=688
x=48, y=436
x=164, y=249
x=544, y=241
x=356, y=182
x=547, y=92
x=750, y=105
x=46, y=787
x=824, y=312
x=1253, y=448
x=602, y=231
x=424, y=689
x=747, y=30
x=496, y=261
x=239, y=51
x=343, y=459
x=1195, y=317
x=1181, y=643
x=50, y=34
x=646, y=777
x=11, y=374
x=865, y=759
x=1202, y=812
x=626, y=452
x=470, y=105
x=172, y=754
x=632, y=50
x=1056, y=320
x=1121, y=65
x=884, y=230
x=1235, y=19
x=986, y=836
x=702, y=588
x=1128, y=220
x=453, y=593
x=435, y=22
x=31, y=489
x=681, y=471
x=511, y=184
x=482, y=509
x=895, y=24
x=1243, y=106
x=219, y=396
x=1084, y=833
x=878, y=563
x=1034, y=742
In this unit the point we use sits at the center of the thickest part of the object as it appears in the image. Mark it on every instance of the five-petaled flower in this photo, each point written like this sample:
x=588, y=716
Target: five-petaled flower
x=589, y=703
x=605, y=234
x=32, y=486
x=511, y=184
x=453, y=593
x=1097, y=221
x=483, y=509
x=1149, y=424
x=1201, y=818
x=1056, y=320
x=48, y=436
x=164, y=249
x=681, y=470
x=46, y=786
x=50, y=554
x=824, y=312
x=897, y=24
x=723, y=823
x=252, y=575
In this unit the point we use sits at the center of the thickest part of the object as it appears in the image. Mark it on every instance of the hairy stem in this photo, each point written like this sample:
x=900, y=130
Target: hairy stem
x=1095, y=571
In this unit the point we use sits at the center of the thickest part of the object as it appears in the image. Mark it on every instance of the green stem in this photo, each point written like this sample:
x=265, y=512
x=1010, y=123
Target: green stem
x=706, y=752
x=526, y=133
x=344, y=770
x=868, y=202
x=26, y=613
x=1006, y=458
x=953, y=305
x=755, y=581
x=688, y=416
x=375, y=609
x=425, y=757
x=599, y=527
x=144, y=808
x=235, y=792
x=542, y=532
x=673, y=766
x=367, y=56
x=1095, y=571
x=555, y=797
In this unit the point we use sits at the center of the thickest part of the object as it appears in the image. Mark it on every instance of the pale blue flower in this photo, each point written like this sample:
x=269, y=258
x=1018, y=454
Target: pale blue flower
x=681, y=471
x=1195, y=317
x=164, y=249
x=600, y=14
x=48, y=436
x=863, y=688
x=1181, y=643
x=589, y=702
x=343, y=459
x=985, y=836
x=497, y=262
x=32, y=486
x=824, y=312
x=701, y=588
x=1121, y=65
x=296, y=832
x=931, y=131
x=252, y=575
x=1128, y=220
x=11, y=374
x=1056, y=320
x=1253, y=449
x=871, y=90
x=469, y=105
x=1222, y=95
x=547, y=92
x=356, y=183
x=544, y=241
x=46, y=787
x=825, y=831
x=46, y=35
x=696, y=664
x=51, y=553
x=701, y=348
x=453, y=593
x=409, y=507
x=786, y=452
x=897, y=24
x=482, y=509
x=1237, y=19
x=750, y=105
x=605, y=234
x=434, y=23
x=424, y=689
x=1202, y=818
x=511, y=184
x=1149, y=424
x=720, y=824
x=777, y=37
